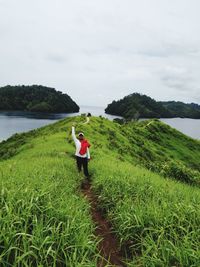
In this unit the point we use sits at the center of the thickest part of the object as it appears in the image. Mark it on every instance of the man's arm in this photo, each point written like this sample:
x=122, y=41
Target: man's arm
x=74, y=134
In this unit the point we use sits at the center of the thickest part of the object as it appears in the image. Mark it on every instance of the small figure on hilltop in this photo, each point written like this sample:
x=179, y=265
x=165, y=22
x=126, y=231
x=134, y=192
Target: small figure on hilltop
x=82, y=152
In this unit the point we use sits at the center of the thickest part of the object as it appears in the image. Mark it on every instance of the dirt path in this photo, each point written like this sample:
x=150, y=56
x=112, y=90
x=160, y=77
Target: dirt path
x=108, y=246
x=87, y=120
x=148, y=124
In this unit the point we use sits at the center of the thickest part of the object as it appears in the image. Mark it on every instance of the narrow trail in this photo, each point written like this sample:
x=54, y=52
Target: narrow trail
x=108, y=246
x=148, y=124
x=87, y=120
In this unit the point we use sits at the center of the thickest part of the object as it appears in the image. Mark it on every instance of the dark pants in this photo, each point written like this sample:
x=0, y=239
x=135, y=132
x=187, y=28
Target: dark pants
x=82, y=162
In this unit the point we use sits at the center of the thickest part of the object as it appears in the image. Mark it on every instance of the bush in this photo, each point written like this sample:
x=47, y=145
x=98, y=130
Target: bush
x=120, y=121
x=180, y=172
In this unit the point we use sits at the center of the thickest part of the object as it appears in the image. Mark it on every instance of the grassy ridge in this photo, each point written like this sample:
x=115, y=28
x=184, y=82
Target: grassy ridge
x=155, y=218
x=152, y=144
x=165, y=150
x=44, y=221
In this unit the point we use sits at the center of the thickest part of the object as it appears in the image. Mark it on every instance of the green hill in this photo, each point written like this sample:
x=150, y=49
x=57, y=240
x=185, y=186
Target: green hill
x=136, y=106
x=146, y=177
x=36, y=98
x=180, y=109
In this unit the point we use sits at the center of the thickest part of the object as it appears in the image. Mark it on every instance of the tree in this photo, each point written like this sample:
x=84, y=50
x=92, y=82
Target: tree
x=36, y=98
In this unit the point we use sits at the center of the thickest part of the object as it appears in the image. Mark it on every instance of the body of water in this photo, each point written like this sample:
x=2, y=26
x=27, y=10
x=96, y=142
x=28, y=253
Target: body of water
x=17, y=121
x=190, y=127
x=12, y=122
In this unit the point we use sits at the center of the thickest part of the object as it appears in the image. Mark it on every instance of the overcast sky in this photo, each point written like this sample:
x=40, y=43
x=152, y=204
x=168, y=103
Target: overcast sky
x=97, y=51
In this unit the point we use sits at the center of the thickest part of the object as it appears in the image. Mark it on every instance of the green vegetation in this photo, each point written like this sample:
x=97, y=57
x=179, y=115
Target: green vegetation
x=45, y=221
x=36, y=98
x=136, y=106
x=156, y=220
x=163, y=149
x=180, y=109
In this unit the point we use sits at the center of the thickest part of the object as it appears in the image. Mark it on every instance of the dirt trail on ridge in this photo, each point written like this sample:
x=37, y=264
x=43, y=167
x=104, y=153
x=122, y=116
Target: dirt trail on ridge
x=87, y=120
x=109, y=245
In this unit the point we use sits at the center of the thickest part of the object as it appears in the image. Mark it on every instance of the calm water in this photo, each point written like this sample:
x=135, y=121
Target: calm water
x=17, y=122
x=189, y=127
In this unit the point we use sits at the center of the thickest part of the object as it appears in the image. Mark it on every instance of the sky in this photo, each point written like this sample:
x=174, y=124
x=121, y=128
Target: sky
x=98, y=51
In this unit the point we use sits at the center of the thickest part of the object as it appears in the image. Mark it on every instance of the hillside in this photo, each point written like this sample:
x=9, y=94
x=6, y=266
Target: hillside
x=36, y=98
x=180, y=109
x=155, y=214
x=136, y=106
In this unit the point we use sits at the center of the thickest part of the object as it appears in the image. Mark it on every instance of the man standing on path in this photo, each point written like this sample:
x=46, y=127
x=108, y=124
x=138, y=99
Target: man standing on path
x=82, y=152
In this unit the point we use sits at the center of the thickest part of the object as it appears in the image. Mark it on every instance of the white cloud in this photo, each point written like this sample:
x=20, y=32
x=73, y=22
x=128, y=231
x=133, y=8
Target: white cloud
x=98, y=51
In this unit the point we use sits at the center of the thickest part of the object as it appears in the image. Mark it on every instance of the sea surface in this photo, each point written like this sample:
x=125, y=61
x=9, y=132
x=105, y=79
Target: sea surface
x=17, y=121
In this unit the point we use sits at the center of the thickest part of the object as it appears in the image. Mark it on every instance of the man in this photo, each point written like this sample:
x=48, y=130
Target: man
x=82, y=152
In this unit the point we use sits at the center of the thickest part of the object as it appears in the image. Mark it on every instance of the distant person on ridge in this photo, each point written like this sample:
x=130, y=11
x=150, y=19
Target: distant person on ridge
x=82, y=152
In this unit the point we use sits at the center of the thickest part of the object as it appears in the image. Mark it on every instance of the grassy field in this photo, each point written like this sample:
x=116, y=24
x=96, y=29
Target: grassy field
x=156, y=220
x=146, y=176
x=44, y=220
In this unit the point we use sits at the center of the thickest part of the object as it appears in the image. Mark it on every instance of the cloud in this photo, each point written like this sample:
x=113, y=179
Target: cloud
x=182, y=82
x=98, y=51
x=57, y=58
x=171, y=50
x=178, y=78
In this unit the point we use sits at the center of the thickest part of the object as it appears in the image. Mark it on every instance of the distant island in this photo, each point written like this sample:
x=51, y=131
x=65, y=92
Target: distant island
x=135, y=106
x=183, y=110
x=36, y=98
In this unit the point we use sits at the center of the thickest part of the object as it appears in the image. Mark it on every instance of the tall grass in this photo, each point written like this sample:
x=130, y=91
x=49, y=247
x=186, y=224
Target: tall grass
x=44, y=220
x=156, y=220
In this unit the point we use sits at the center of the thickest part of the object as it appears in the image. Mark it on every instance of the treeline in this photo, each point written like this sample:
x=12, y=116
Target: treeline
x=135, y=106
x=180, y=109
x=36, y=98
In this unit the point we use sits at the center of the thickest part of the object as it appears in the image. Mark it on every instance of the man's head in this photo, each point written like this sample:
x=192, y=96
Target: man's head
x=81, y=136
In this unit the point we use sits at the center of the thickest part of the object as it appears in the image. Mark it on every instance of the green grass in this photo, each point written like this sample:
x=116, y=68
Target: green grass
x=156, y=220
x=45, y=220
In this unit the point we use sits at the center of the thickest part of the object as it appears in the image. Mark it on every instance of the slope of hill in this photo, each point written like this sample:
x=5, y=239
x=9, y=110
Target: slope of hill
x=136, y=106
x=45, y=220
x=36, y=98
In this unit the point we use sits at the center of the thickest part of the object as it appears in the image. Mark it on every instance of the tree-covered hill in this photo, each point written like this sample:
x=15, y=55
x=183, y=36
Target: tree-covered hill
x=36, y=98
x=183, y=110
x=136, y=106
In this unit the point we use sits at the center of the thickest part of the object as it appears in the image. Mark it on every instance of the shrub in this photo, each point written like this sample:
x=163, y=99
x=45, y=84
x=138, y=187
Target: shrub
x=180, y=172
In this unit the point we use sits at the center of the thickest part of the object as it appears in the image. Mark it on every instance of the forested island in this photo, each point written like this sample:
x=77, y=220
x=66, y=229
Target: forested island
x=36, y=98
x=135, y=106
x=183, y=110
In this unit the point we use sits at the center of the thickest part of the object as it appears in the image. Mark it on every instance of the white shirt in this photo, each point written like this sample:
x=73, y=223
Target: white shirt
x=78, y=146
